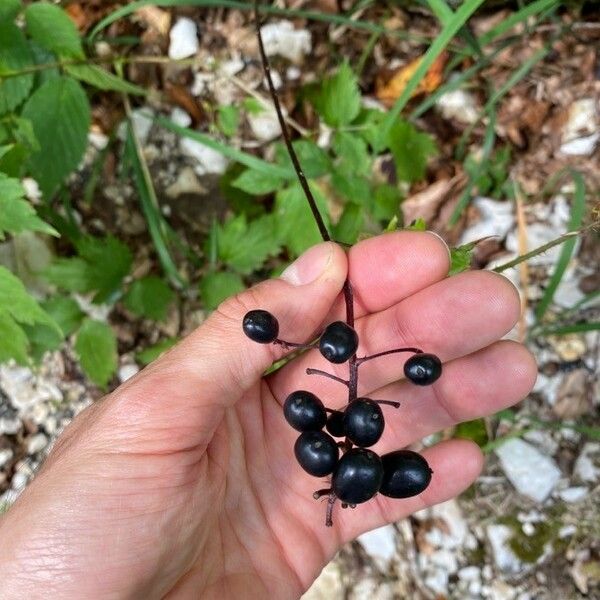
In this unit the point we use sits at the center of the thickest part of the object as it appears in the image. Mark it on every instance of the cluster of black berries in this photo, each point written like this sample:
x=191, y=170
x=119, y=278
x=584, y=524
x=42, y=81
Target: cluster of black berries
x=359, y=473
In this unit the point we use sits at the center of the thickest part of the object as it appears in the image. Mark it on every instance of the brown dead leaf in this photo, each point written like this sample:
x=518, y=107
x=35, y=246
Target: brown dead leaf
x=389, y=88
x=77, y=15
x=181, y=96
x=155, y=18
x=571, y=398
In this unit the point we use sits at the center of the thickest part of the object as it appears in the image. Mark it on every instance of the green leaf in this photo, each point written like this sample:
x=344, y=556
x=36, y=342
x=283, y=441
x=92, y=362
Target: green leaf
x=315, y=161
x=9, y=10
x=149, y=297
x=411, y=150
x=19, y=305
x=216, y=287
x=151, y=353
x=96, y=346
x=370, y=121
x=42, y=339
x=352, y=152
x=245, y=246
x=350, y=224
x=228, y=119
x=60, y=113
x=295, y=223
x=460, y=258
x=475, y=431
x=257, y=183
x=14, y=56
x=101, y=266
x=103, y=79
x=13, y=341
x=354, y=188
x=339, y=100
x=417, y=225
x=387, y=199
x=16, y=214
x=65, y=312
x=52, y=29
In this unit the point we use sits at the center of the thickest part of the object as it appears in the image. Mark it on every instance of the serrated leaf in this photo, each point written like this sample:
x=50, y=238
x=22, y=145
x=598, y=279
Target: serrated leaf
x=386, y=203
x=475, y=431
x=352, y=152
x=51, y=28
x=15, y=301
x=42, y=339
x=257, y=183
x=354, y=188
x=103, y=79
x=96, y=346
x=100, y=267
x=216, y=287
x=149, y=297
x=315, y=162
x=16, y=214
x=411, y=150
x=228, y=119
x=295, y=223
x=245, y=246
x=60, y=113
x=65, y=312
x=339, y=100
x=14, y=56
x=460, y=258
x=350, y=224
x=9, y=9
x=13, y=340
x=147, y=355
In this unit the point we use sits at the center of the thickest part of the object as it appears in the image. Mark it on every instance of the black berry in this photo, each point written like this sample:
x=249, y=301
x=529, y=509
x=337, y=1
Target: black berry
x=261, y=326
x=405, y=474
x=358, y=476
x=335, y=424
x=423, y=369
x=304, y=411
x=317, y=453
x=363, y=422
x=338, y=342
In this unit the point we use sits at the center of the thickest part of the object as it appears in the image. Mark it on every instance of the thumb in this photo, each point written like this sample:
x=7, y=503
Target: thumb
x=217, y=363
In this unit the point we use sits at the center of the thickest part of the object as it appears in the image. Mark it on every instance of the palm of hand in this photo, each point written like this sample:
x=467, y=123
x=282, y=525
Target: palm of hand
x=182, y=483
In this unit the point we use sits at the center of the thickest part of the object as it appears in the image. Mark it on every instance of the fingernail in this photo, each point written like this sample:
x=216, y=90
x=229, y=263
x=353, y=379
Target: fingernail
x=439, y=237
x=310, y=266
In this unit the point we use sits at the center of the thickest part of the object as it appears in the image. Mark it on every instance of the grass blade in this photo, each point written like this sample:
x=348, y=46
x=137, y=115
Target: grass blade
x=577, y=213
x=234, y=154
x=566, y=329
x=449, y=30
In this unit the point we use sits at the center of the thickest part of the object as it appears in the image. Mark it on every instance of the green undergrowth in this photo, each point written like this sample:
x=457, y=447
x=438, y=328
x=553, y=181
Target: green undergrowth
x=49, y=72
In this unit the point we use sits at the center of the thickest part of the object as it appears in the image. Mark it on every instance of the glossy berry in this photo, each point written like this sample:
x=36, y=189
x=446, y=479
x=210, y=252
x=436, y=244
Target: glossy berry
x=338, y=342
x=335, y=424
x=423, y=369
x=363, y=422
x=261, y=326
x=358, y=476
x=304, y=411
x=317, y=453
x=405, y=474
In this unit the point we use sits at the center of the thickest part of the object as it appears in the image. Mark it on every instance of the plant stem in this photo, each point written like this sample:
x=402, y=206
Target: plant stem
x=363, y=359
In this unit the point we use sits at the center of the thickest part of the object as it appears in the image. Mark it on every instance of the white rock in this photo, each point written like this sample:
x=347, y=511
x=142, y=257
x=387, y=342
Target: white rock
x=543, y=440
x=567, y=531
x=499, y=590
x=127, y=372
x=265, y=125
x=141, y=120
x=584, y=146
x=19, y=481
x=180, y=117
x=183, y=39
x=504, y=557
x=497, y=219
x=580, y=132
x=532, y=473
x=458, y=105
x=470, y=573
x=587, y=465
x=232, y=67
x=574, y=494
x=36, y=443
x=380, y=543
x=98, y=140
x=186, y=183
x=5, y=455
x=327, y=586
x=293, y=73
x=32, y=189
x=208, y=161
x=10, y=426
x=528, y=529
x=281, y=38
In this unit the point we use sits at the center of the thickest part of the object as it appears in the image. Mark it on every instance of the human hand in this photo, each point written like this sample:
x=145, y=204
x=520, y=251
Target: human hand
x=182, y=483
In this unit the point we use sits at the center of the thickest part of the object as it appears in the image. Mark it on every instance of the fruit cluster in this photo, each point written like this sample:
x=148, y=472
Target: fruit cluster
x=359, y=473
